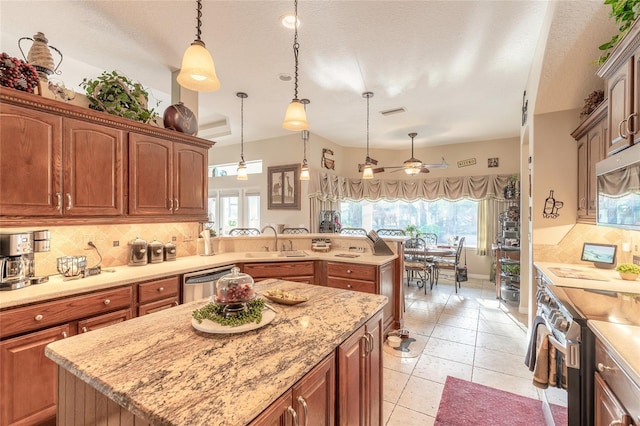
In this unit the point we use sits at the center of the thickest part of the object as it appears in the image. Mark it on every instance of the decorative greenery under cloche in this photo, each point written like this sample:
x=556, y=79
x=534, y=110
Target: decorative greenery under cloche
x=118, y=95
x=625, y=13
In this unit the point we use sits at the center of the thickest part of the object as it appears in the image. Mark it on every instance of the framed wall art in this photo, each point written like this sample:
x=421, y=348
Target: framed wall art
x=284, y=187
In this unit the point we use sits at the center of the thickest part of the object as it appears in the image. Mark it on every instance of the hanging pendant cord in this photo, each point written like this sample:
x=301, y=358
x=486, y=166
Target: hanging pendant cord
x=242, y=129
x=199, y=21
x=368, y=128
x=296, y=47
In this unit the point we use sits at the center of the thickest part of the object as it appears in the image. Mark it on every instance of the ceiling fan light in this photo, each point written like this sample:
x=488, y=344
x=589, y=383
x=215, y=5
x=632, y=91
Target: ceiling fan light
x=198, y=73
x=412, y=167
x=242, y=171
x=295, y=118
x=367, y=172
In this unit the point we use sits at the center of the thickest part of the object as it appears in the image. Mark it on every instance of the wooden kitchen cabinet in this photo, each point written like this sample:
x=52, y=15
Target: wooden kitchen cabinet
x=105, y=320
x=608, y=410
x=166, y=178
x=591, y=136
x=298, y=271
x=359, y=361
x=157, y=295
x=311, y=401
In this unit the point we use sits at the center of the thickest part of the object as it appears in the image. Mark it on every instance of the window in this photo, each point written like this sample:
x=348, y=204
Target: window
x=234, y=209
x=446, y=219
x=231, y=169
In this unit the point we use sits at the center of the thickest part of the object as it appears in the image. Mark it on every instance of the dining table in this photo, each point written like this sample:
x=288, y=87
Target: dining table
x=424, y=254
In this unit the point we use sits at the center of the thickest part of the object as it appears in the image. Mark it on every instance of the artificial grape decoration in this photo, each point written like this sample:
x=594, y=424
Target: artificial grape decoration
x=17, y=74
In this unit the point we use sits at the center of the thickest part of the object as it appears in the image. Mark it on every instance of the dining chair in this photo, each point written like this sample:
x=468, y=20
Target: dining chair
x=429, y=237
x=295, y=231
x=353, y=231
x=244, y=231
x=451, y=263
x=416, y=263
x=389, y=232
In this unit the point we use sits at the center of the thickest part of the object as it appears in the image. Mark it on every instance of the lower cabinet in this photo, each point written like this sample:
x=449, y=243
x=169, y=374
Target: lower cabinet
x=608, y=410
x=157, y=295
x=359, y=361
x=311, y=401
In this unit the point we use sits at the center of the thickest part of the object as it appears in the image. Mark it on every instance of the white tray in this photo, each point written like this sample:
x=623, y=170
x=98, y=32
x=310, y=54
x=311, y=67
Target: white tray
x=208, y=326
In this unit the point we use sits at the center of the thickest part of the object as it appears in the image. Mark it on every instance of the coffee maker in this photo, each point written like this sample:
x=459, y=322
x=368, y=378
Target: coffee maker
x=16, y=260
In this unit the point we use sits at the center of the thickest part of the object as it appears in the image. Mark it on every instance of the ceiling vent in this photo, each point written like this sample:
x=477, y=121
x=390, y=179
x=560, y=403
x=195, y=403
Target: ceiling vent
x=393, y=111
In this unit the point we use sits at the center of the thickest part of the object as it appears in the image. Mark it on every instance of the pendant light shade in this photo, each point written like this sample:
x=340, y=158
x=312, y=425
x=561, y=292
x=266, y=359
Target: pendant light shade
x=304, y=170
x=198, y=72
x=296, y=117
x=242, y=167
x=367, y=170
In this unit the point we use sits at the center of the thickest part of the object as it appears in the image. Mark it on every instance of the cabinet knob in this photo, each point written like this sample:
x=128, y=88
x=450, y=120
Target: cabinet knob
x=85, y=329
x=602, y=368
x=349, y=271
x=39, y=317
x=160, y=289
x=349, y=286
x=107, y=301
x=176, y=303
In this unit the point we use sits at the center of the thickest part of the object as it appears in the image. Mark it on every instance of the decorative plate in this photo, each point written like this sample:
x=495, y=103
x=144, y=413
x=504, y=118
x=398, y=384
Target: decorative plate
x=208, y=326
x=284, y=297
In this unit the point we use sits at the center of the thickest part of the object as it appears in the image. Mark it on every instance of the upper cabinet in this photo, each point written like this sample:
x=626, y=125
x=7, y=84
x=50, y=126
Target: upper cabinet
x=64, y=164
x=621, y=72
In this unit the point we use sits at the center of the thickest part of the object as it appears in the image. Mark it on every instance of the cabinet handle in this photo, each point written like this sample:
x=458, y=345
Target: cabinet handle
x=294, y=415
x=582, y=203
x=602, y=368
x=64, y=335
x=85, y=329
x=617, y=423
x=305, y=408
x=369, y=337
x=365, y=352
x=629, y=121
x=69, y=205
x=176, y=303
x=160, y=289
x=620, y=129
x=177, y=205
x=107, y=301
x=59, y=205
x=39, y=317
x=170, y=204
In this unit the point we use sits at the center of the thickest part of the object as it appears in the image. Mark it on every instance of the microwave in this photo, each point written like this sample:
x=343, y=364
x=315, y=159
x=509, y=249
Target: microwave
x=618, y=186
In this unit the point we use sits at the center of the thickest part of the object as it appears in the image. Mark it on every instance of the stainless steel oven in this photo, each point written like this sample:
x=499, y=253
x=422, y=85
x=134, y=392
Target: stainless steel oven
x=199, y=285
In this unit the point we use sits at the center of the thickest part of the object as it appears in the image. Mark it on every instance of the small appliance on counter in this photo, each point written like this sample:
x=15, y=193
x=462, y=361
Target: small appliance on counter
x=155, y=252
x=41, y=240
x=16, y=260
x=170, y=251
x=137, y=252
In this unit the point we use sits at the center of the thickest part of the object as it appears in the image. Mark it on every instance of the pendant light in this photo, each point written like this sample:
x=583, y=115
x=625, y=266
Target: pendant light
x=304, y=170
x=367, y=170
x=296, y=117
x=242, y=168
x=412, y=166
x=198, y=73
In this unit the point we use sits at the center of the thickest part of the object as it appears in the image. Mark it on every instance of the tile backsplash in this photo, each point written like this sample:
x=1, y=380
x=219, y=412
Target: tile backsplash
x=111, y=241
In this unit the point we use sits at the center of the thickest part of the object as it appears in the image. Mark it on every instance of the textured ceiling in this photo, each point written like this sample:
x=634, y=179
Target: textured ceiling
x=458, y=67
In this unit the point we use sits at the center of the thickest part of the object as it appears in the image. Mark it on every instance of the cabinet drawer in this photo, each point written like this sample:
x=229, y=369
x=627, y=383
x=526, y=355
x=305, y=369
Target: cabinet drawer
x=100, y=321
x=351, y=270
x=159, y=289
x=159, y=305
x=351, y=284
x=279, y=270
x=33, y=317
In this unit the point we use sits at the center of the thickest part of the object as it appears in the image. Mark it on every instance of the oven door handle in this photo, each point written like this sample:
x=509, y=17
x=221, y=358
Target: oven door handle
x=556, y=344
x=570, y=352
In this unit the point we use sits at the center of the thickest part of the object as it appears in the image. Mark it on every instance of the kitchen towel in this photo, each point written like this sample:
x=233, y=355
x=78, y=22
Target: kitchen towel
x=542, y=363
x=530, y=358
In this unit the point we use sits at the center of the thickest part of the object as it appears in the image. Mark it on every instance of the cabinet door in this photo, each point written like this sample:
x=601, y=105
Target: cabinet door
x=351, y=284
x=190, y=190
x=608, y=410
x=583, y=176
x=278, y=413
x=93, y=169
x=30, y=162
x=105, y=320
x=160, y=305
x=596, y=153
x=158, y=289
x=150, y=176
x=387, y=273
x=620, y=108
x=351, y=380
x=374, y=371
x=314, y=395
x=28, y=378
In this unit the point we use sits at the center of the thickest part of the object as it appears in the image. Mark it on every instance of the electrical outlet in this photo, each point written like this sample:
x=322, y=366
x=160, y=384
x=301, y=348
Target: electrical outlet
x=187, y=237
x=636, y=260
x=86, y=238
x=174, y=238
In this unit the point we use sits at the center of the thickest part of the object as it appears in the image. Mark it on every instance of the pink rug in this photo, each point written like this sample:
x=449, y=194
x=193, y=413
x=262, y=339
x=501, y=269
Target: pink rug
x=466, y=403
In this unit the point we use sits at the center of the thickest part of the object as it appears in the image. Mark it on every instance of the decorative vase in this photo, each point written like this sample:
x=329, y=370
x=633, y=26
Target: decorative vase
x=40, y=56
x=181, y=119
x=628, y=276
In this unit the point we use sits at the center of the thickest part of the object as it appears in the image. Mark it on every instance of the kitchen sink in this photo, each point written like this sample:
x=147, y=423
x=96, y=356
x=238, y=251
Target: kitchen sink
x=272, y=254
x=294, y=253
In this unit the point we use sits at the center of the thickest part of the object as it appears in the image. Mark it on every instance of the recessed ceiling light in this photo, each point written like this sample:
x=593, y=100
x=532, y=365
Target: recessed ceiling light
x=288, y=21
x=284, y=77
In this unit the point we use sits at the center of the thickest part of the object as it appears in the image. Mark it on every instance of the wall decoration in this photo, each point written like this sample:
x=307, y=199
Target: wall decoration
x=551, y=207
x=467, y=162
x=327, y=159
x=493, y=162
x=284, y=187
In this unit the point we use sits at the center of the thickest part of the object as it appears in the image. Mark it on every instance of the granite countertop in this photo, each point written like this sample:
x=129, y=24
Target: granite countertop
x=623, y=341
x=587, y=277
x=56, y=287
x=160, y=368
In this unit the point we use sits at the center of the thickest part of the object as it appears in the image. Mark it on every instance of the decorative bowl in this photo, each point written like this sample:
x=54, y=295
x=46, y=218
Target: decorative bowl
x=394, y=341
x=628, y=276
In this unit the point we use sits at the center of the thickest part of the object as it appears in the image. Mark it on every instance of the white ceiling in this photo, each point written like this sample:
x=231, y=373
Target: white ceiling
x=458, y=67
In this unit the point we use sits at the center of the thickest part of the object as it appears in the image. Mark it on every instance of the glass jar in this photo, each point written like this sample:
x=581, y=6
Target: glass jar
x=234, y=287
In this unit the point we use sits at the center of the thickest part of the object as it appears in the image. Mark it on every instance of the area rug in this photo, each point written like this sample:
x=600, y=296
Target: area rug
x=466, y=403
x=410, y=347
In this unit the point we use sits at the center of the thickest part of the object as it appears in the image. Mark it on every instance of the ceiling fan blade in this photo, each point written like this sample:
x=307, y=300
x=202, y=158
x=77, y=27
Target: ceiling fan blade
x=442, y=165
x=376, y=170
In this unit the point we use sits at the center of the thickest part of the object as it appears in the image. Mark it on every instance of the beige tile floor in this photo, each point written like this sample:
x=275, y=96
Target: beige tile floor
x=469, y=335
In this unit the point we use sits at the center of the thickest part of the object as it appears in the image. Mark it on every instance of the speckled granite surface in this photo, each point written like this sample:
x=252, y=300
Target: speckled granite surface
x=161, y=369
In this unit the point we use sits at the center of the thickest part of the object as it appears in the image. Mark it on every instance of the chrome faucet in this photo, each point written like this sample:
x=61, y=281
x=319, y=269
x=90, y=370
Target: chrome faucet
x=275, y=233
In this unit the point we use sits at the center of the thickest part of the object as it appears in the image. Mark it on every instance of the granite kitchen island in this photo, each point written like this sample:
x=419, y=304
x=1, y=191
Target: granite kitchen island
x=159, y=370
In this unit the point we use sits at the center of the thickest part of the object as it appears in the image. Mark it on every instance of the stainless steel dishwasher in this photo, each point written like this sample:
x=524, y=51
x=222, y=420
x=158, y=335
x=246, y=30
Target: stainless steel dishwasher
x=200, y=284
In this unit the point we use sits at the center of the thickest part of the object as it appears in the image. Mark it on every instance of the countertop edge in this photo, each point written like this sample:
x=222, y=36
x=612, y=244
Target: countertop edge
x=603, y=331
